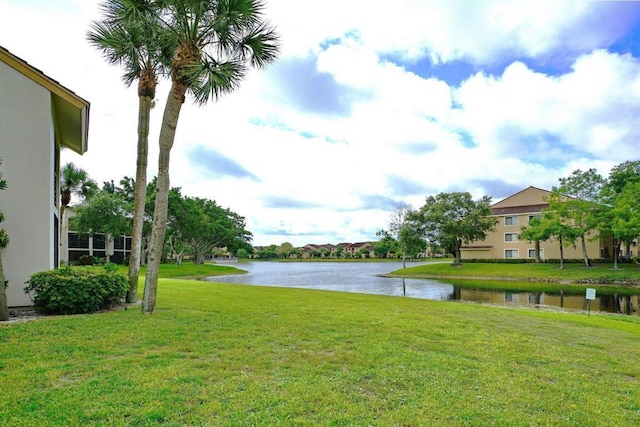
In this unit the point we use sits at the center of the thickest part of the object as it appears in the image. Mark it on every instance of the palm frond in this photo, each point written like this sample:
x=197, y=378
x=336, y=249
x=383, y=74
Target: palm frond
x=261, y=46
x=131, y=36
x=211, y=78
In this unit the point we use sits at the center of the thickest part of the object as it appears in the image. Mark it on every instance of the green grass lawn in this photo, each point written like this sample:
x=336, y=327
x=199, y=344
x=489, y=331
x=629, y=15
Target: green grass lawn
x=604, y=273
x=573, y=279
x=217, y=354
x=188, y=270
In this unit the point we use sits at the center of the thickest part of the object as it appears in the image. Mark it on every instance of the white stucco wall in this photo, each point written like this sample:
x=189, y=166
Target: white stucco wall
x=27, y=149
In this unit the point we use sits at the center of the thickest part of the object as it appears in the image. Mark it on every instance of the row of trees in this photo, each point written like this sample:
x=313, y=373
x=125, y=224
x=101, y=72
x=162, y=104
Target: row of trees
x=583, y=206
x=206, y=48
x=287, y=250
x=195, y=226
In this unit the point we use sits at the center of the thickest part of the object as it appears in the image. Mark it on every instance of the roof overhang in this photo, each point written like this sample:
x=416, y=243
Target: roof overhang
x=70, y=112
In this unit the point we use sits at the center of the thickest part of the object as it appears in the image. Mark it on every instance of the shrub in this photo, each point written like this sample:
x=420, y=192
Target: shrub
x=73, y=290
x=86, y=260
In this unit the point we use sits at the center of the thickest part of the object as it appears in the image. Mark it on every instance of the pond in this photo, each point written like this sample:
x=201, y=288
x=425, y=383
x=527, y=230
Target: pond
x=365, y=277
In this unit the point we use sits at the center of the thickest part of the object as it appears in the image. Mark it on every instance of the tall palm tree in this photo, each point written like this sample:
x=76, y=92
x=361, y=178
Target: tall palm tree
x=74, y=181
x=217, y=42
x=129, y=36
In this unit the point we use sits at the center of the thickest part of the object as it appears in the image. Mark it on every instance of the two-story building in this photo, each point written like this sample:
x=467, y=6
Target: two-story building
x=38, y=116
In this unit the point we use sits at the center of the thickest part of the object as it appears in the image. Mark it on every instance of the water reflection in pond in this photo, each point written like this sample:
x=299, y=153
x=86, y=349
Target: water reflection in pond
x=626, y=304
x=365, y=278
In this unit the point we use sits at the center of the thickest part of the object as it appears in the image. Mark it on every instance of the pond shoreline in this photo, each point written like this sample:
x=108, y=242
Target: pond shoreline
x=626, y=283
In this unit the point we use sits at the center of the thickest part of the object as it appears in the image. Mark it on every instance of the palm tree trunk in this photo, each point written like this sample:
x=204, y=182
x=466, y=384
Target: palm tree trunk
x=4, y=310
x=167, y=136
x=144, y=112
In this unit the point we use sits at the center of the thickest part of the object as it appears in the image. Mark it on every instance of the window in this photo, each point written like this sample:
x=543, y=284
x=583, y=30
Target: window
x=511, y=237
x=98, y=241
x=532, y=253
x=75, y=255
x=118, y=243
x=77, y=241
x=510, y=220
x=511, y=253
x=535, y=216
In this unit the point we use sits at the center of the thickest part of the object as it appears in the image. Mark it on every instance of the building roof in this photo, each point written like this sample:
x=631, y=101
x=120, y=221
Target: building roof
x=528, y=196
x=70, y=112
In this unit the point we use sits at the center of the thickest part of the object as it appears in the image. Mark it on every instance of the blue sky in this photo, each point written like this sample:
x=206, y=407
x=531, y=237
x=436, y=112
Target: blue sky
x=368, y=111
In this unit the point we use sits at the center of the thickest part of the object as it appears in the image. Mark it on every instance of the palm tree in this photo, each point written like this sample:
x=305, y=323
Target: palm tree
x=217, y=42
x=129, y=36
x=74, y=181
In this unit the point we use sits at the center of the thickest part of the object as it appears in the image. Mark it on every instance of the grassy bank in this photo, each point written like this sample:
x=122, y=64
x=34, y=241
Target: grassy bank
x=602, y=273
x=217, y=354
x=188, y=270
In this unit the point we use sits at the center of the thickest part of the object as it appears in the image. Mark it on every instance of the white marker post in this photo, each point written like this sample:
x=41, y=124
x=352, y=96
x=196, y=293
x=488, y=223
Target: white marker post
x=591, y=295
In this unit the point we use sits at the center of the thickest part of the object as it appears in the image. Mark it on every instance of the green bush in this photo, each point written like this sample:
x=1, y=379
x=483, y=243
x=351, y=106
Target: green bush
x=86, y=260
x=73, y=290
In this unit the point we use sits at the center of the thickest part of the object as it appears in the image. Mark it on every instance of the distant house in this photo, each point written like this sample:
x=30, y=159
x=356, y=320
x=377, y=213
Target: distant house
x=38, y=116
x=511, y=215
x=321, y=251
x=360, y=249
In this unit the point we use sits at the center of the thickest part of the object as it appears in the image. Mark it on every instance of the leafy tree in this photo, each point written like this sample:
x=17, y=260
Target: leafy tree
x=242, y=253
x=268, y=252
x=130, y=36
x=534, y=232
x=620, y=217
x=620, y=176
x=194, y=225
x=285, y=249
x=104, y=213
x=202, y=225
x=217, y=42
x=177, y=246
x=575, y=201
x=626, y=211
x=411, y=240
x=4, y=242
x=552, y=226
x=406, y=234
x=385, y=246
x=450, y=220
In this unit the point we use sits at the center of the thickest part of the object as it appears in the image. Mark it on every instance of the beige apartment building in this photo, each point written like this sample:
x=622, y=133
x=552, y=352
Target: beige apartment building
x=38, y=116
x=511, y=215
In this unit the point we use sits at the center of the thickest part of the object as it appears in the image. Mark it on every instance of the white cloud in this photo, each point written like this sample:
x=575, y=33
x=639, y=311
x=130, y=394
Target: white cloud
x=383, y=129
